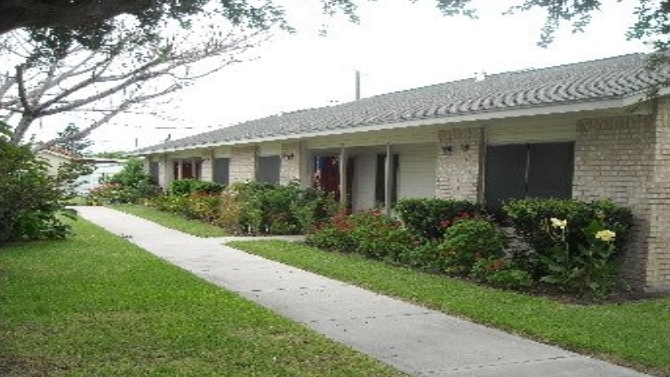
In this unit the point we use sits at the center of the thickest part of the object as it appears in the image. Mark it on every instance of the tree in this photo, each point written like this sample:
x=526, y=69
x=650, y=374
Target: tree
x=75, y=146
x=31, y=199
x=116, y=155
x=98, y=85
x=57, y=23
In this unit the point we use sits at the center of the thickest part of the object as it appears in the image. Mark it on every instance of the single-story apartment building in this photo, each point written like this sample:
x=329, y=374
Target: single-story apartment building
x=56, y=157
x=587, y=130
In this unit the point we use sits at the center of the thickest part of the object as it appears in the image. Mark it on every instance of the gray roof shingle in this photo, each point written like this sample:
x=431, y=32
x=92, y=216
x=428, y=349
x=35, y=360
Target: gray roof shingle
x=617, y=77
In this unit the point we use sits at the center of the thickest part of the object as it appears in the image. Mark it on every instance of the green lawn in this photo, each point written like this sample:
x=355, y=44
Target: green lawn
x=96, y=305
x=169, y=220
x=635, y=334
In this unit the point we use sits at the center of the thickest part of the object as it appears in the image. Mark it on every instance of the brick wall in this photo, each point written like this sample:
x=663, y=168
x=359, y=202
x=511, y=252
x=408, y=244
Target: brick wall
x=164, y=171
x=458, y=172
x=243, y=164
x=207, y=166
x=290, y=167
x=627, y=159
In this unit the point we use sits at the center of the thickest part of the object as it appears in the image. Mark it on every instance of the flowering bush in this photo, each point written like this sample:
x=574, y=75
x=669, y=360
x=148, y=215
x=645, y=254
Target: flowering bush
x=476, y=247
x=529, y=218
x=105, y=193
x=587, y=269
x=334, y=234
x=368, y=233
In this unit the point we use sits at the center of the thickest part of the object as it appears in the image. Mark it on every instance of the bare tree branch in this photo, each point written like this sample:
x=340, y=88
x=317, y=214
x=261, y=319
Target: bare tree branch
x=102, y=85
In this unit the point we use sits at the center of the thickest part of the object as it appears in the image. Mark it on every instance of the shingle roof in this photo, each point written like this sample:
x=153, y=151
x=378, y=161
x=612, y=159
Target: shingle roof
x=617, y=77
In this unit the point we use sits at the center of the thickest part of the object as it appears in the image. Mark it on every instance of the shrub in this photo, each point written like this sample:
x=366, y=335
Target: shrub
x=31, y=199
x=424, y=255
x=531, y=220
x=230, y=210
x=202, y=205
x=106, y=193
x=378, y=236
x=190, y=186
x=264, y=208
x=467, y=241
x=427, y=217
x=129, y=185
x=334, y=234
x=501, y=272
x=368, y=233
x=588, y=269
x=182, y=187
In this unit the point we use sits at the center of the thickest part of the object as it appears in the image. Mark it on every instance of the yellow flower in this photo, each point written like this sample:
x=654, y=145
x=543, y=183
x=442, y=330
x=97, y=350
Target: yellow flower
x=605, y=235
x=556, y=223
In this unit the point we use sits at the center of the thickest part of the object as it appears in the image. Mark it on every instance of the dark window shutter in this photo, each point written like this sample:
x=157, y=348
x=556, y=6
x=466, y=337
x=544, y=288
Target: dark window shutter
x=268, y=169
x=221, y=171
x=550, y=170
x=505, y=174
x=154, y=170
x=530, y=170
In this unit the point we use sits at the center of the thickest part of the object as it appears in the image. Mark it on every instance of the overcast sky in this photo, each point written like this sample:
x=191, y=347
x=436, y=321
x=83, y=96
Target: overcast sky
x=397, y=45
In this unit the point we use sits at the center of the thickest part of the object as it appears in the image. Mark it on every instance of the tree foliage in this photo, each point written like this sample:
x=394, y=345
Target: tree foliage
x=32, y=199
x=74, y=146
x=57, y=24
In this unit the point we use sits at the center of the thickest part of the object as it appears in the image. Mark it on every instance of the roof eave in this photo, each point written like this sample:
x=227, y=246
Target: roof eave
x=543, y=109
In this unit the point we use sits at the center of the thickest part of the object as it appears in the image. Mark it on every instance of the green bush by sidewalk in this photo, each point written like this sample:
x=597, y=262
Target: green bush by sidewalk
x=459, y=239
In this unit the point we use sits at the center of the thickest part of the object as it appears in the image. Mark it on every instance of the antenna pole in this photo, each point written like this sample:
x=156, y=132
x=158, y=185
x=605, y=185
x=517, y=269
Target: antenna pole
x=358, y=85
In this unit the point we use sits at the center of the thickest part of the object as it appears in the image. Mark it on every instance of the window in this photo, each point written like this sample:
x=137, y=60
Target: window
x=528, y=170
x=268, y=169
x=154, y=170
x=380, y=183
x=222, y=170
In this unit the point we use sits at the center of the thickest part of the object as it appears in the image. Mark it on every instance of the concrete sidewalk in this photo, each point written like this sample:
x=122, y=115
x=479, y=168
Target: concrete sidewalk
x=413, y=339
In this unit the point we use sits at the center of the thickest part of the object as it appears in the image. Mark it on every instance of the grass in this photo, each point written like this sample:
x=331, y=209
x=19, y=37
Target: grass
x=170, y=220
x=635, y=334
x=97, y=305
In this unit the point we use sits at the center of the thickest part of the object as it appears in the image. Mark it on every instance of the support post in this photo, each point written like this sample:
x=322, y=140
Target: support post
x=343, y=177
x=388, y=180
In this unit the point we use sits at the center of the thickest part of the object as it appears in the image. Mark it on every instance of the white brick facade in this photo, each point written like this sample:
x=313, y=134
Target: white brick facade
x=243, y=164
x=292, y=157
x=627, y=159
x=207, y=167
x=457, y=173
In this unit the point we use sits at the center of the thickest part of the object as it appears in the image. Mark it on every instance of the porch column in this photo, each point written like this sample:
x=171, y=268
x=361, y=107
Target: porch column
x=207, y=166
x=164, y=171
x=179, y=167
x=388, y=180
x=343, y=177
